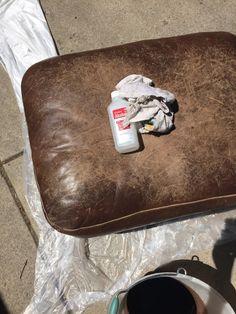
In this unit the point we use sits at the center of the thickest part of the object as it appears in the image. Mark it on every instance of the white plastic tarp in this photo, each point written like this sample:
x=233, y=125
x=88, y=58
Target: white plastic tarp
x=24, y=39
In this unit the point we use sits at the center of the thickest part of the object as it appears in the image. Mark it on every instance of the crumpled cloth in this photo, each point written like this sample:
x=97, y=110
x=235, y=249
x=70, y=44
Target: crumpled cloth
x=148, y=105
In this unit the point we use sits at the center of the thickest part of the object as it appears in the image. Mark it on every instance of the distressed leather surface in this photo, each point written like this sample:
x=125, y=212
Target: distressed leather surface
x=89, y=189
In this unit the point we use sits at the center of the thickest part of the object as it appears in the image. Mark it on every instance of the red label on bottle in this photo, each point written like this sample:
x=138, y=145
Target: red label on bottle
x=119, y=113
x=120, y=125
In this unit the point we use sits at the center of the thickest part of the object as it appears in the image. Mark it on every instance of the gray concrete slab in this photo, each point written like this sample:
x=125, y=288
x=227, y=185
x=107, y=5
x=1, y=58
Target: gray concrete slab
x=11, y=141
x=15, y=172
x=17, y=255
x=85, y=25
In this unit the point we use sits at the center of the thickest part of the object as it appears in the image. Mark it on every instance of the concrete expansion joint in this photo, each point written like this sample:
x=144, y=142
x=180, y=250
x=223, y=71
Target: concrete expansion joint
x=16, y=199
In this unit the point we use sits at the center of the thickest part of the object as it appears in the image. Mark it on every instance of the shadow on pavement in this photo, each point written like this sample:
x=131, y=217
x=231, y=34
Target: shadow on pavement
x=3, y=307
x=224, y=255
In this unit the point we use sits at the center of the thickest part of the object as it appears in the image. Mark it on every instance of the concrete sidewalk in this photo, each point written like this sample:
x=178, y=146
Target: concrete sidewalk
x=79, y=26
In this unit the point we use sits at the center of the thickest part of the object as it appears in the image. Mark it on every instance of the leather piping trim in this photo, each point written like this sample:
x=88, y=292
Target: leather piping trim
x=138, y=213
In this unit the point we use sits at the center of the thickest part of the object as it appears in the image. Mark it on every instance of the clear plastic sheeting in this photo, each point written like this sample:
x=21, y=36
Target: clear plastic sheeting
x=72, y=273
x=24, y=39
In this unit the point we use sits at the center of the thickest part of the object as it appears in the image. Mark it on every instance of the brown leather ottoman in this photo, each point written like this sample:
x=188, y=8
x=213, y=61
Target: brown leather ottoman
x=89, y=189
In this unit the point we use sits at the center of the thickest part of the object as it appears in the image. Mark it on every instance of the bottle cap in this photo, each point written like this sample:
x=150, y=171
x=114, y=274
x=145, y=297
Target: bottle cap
x=115, y=93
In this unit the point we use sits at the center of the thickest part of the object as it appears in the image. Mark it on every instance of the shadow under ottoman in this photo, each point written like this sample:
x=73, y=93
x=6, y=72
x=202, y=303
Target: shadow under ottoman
x=89, y=189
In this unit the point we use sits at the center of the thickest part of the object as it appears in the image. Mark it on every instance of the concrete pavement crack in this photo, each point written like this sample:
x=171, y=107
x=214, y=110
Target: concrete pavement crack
x=18, y=203
x=13, y=157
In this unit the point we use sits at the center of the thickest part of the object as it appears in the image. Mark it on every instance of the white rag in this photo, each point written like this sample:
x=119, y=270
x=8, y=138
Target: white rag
x=147, y=104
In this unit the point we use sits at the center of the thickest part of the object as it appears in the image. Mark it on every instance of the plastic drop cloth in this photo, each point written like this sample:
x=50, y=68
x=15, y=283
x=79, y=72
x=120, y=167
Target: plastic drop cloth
x=24, y=39
x=72, y=273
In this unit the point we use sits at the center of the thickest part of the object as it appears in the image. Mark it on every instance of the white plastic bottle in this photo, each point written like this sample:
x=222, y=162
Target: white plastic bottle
x=125, y=139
